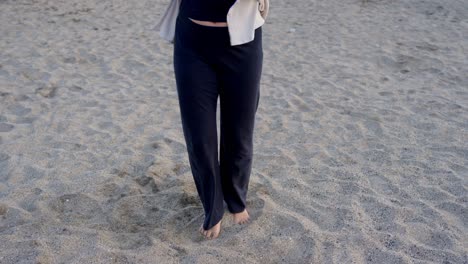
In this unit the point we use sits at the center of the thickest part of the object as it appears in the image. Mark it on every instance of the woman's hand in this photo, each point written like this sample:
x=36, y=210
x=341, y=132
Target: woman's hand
x=263, y=7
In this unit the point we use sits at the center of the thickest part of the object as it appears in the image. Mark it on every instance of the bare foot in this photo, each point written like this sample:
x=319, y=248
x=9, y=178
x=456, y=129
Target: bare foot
x=211, y=233
x=241, y=218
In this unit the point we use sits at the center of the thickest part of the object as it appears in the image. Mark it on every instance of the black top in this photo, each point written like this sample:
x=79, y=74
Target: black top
x=206, y=10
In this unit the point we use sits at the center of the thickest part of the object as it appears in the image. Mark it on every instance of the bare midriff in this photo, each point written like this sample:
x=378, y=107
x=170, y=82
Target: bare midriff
x=210, y=23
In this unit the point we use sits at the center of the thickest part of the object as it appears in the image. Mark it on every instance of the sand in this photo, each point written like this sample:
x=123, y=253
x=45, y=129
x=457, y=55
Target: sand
x=360, y=143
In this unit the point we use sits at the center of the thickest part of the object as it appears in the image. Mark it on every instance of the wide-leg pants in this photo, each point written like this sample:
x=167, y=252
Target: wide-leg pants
x=205, y=66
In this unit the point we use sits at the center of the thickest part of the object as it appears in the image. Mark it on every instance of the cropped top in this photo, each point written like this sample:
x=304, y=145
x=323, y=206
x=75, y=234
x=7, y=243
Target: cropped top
x=206, y=10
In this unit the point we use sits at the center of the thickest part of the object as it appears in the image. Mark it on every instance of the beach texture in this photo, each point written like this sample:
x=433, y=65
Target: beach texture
x=360, y=151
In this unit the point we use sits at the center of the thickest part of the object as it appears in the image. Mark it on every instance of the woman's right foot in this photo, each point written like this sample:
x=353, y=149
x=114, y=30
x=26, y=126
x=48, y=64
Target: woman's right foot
x=241, y=218
x=211, y=233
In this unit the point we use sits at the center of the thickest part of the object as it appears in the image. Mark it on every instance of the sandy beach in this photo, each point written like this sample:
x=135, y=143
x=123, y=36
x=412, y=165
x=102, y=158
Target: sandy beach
x=361, y=152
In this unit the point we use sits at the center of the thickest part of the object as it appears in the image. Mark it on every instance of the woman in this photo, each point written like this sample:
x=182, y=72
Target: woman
x=207, y=65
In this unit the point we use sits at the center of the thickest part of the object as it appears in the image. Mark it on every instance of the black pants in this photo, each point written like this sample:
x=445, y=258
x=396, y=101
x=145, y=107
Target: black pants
x=205, y=66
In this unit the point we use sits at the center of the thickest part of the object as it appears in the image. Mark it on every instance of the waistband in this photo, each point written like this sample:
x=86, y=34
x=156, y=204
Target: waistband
x=186, y=19
x=203, y=34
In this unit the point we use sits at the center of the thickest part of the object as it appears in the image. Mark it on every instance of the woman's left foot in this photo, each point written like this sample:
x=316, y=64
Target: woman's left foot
x=241, y=218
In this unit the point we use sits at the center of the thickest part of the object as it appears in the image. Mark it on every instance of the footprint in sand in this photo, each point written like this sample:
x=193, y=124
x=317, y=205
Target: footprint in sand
x=138, y=214
x=76, y=209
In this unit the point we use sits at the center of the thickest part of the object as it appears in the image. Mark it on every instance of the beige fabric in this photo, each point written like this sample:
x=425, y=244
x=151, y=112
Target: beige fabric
x=243, y=18
x=166, y=25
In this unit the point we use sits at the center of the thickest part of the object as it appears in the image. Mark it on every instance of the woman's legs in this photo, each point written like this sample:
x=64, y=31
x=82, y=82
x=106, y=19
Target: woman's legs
x=205, y=65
